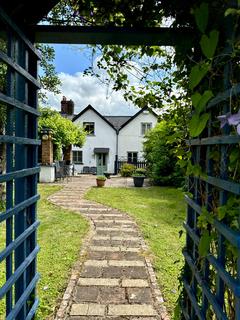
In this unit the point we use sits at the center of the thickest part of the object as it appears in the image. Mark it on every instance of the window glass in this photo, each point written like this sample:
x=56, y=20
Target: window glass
x=132, y=157
x=89, y=127
x=77, y=156
x=146, y=126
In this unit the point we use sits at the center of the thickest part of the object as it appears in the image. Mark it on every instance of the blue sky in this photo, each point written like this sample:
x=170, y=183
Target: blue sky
x=71, y=58
x=70, y=62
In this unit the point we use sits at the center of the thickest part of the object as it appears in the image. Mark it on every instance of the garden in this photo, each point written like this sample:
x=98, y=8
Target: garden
x=60, y=237
x=198, y=136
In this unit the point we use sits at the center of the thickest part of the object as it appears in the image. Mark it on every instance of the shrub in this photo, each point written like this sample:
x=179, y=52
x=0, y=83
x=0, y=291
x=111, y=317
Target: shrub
x=141, y=171
x=162, y=166
x=103, y=178
x=127, y=170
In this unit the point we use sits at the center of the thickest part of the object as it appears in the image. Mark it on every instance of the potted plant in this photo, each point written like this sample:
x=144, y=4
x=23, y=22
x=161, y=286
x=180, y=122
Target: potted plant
x=101, y=181
x=138, y=177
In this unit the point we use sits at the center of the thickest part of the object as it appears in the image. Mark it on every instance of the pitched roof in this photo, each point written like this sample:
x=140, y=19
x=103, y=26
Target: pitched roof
x=117, y=121
x=89, y=107
x=136, y=114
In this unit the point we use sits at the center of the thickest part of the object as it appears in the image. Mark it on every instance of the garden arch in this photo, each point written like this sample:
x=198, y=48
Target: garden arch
x=201, y=296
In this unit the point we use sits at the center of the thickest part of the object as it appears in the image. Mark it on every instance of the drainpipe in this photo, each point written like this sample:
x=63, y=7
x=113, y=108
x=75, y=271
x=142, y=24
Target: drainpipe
x=116, y=156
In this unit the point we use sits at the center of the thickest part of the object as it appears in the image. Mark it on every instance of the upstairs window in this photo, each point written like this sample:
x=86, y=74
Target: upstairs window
x=77, y=157
x=89, y=127
x=132, y=157
x=146, y=126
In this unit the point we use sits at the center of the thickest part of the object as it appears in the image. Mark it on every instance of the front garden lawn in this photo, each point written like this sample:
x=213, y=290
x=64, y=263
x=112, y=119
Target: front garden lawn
x=159, y=211
x=60, y=236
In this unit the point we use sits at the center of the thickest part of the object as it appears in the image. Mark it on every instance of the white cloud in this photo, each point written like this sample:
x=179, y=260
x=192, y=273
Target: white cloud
x=85, y=90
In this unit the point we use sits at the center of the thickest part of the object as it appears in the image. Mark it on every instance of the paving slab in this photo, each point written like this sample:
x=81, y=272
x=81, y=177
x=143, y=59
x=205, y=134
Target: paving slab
x=131, y=310
x=113, y=280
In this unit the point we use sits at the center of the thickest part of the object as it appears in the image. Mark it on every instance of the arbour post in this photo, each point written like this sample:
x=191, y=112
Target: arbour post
x=209, y=280
x=19, y=98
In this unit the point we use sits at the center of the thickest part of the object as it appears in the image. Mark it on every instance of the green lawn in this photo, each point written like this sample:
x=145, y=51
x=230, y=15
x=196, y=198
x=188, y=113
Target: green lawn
x=60, y=235
x=160, y=212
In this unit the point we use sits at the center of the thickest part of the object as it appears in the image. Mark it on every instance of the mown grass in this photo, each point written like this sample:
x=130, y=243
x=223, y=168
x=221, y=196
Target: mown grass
x=159, y=211
x=60, y=236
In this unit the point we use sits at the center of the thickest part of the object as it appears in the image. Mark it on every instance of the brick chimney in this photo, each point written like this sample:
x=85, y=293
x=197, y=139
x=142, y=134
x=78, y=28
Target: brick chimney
x=67, y=107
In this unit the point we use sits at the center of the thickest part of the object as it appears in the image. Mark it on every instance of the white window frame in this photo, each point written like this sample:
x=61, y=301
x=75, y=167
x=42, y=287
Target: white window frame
x=77, y=162
x=89, y=123
x=145, y=127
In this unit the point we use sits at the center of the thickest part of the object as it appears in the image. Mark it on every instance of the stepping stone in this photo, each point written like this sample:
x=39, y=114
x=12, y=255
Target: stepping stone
x=135, y=283
x=113, y=249
x=114, y=281
x=125, y=263
x=98, y=282
x=131, y=310
x=81, y=309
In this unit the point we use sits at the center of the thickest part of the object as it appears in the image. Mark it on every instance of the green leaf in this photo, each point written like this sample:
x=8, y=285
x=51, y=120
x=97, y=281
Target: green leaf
x=207, y=95
x=231, y=11
x=209, y=44
x=201, y=16
x=234, y=156
x=222, y=212
x=199, y=101
x=196, y=97
x=198, y=72
x=197, y=124
x=204, y=243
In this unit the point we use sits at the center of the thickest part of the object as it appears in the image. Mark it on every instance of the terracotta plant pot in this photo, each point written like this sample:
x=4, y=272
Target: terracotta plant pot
x=100, y=183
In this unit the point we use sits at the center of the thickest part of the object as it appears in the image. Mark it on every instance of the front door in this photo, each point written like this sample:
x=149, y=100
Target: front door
x=101, y=163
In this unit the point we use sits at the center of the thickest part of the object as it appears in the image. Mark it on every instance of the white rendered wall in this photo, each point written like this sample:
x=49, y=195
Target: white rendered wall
x=131, y=138
x=104, y=137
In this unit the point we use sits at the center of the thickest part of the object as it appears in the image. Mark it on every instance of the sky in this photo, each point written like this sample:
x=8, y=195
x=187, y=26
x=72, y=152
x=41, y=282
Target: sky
x=70, y=62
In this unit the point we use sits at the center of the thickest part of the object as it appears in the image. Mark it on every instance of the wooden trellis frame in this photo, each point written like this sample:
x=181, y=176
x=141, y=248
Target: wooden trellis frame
x=19, y=98
x=193, y=307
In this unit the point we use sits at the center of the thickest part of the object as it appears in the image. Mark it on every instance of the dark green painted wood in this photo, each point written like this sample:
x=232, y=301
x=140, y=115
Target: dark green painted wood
x=112, y=35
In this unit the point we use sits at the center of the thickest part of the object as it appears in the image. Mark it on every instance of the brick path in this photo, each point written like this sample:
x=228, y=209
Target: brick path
x=114, y=279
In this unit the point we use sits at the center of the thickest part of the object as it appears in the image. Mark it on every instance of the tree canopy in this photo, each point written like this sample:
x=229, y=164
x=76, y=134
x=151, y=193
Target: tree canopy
x=64, y=131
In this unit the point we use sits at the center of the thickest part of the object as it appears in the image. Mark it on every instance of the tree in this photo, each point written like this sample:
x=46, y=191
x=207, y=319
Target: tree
x=65, y=132
x=48, y=78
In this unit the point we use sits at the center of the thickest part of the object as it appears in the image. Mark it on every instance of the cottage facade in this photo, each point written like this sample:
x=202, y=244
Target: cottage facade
x=109, y=137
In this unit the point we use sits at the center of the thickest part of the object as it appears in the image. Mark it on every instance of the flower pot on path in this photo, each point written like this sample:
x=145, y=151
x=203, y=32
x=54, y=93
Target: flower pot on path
x=138, y=181
x=100, y=181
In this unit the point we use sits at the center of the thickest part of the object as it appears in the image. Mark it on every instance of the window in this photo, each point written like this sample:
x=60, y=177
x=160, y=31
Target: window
x=146, y=126
x=89, y=127
x=132, y=157
x=77, y=157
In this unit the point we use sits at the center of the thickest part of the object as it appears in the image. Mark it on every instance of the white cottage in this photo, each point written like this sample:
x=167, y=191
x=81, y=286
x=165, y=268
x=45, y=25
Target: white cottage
x=110, y=138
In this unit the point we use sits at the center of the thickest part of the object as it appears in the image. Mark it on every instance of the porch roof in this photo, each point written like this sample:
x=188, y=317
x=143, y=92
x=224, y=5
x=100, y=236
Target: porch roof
x=101, y=150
